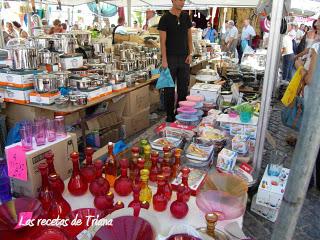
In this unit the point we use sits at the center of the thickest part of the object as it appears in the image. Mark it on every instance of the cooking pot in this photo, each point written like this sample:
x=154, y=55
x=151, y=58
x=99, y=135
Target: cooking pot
x=82, y=100
x=122, y=55
x=46, y=83
x=108, y=58
x=82, y=37
x=63, y=78
x=47, y=57
x=83, y=84
x=117, y=76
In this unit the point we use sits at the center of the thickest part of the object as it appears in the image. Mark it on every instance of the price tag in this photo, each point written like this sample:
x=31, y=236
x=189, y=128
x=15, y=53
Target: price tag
x=17, y=164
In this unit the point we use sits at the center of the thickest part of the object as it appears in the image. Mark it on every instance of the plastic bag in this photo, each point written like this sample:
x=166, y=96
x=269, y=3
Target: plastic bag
x=291, y=91
x=165, y=80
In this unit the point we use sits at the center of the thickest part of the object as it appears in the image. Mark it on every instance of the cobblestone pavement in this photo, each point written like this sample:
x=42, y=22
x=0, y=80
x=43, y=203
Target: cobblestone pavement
x=308, y=227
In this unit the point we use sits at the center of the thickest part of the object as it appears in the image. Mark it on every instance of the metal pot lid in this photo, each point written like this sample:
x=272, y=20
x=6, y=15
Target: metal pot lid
x=71, y=55
x=46, y=76
x=63, y=73
x=207, y=72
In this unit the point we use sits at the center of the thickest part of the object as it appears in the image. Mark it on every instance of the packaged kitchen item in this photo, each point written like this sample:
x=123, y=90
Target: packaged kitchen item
x=226, y=160
x=20, y=96
x=71, y=61
x=210, y=92
x=250, y=131
x=272, y=188
x=196, y=99
x=187, y=104
x=199, y=152
x=187, y=110
x=158, y=143
x=188, y=120
x=44, y=98
x=236, y=129
x=240, y=144
x=17, y=79
x=268, y=213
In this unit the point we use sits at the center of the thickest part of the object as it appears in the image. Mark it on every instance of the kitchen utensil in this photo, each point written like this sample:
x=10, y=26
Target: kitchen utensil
x=82, y=100
x=47, y=57
x=83, y=84
x=46, y=83
x=63, y=78
x=62, y=101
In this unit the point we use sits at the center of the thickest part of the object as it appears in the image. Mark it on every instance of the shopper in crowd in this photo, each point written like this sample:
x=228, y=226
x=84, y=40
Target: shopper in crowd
x=210, y=33
x=223, y=33
x=75, y=27
x=64, y=27
x=6, y=35
x=300, y=33
x=307, y=41
x=135, y=25
x=287, y=57
x=292, y=33
x=119, y=29
x=10, y=30
x=176, y=49
x=248, y=33
x=57, y=28
x=45, y=26
x=231, y=37
x=21, y=33
x=306, y=29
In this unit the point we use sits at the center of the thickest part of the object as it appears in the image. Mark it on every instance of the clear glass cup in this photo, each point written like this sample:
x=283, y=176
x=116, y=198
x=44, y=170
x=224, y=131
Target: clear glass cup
x=40, y=132
x=51, y=130
x=26, y=137
x=60, y=126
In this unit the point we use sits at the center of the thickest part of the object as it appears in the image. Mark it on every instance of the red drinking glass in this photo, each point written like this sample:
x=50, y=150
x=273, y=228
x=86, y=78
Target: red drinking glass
x=77, y=185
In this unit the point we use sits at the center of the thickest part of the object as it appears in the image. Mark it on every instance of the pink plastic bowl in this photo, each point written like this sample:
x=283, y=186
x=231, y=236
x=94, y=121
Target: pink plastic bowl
x=195, y=98
x=187, y=110
x=226, y=206
x=187, y=104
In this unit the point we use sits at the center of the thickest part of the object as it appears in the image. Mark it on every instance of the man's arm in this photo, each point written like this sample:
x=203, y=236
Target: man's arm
x=163, y=39
x=190, y=47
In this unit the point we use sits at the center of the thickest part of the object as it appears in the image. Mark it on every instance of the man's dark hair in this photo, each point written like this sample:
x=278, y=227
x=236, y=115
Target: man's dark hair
x=16, y=24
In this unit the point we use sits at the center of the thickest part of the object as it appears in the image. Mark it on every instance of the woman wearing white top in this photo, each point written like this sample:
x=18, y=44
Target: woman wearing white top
x=287, y=58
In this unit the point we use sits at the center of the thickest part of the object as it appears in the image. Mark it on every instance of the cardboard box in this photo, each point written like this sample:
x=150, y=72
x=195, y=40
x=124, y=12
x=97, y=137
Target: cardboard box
x=17, y=96
x=110, y=136
x=272, y=188
x=61, y=149
x=226, y=160
x=154, y=96
x=117, y=105
x=210, y=92
x=265, y=212
x=137, y=101
x=103, y=121
x=44, y=98
x=136, y=122
x=21, y=80
x=16, y=112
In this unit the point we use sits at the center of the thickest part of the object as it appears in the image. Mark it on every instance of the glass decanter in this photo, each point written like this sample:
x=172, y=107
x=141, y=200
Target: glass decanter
x=104, y=202
x=45, y=193
x=155, y=170
x=166, y=159
x=123, y=184
x=88, y=170
x=100, y=185
x=177, y=162
x=187, y=191
x=111, y=167
x=77, y=185
x=179, y=209
x=136, y=201
x=159, y=200
x=143, y=142
x=51, y=170
x=147, y=159
x=211, y=230
x=166, y=172
x=140, y=166
x=145, y=192
x=134, y=159
x=58, y=206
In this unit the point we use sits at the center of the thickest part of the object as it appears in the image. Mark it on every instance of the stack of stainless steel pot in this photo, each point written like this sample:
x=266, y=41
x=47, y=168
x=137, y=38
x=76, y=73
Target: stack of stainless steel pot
x=45, y=83
x=47, y=57
x=63, y=78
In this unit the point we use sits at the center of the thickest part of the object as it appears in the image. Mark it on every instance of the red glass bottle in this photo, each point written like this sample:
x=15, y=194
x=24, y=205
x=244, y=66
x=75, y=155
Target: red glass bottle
x=123, y=184
x=187, y=191
x=179, y=209
x=136, y=202
x=155, y=170
x=166, y=159
x=177, y=162
x=58, y=206
x=134, y=160
x=45, y=193
x=159, y=200
x=88, y=170
x=166, y=172
x=140, y=166
x=104, y=202
x=77, y=184
x=51, y=170
x=100, y=185
x=111, y=166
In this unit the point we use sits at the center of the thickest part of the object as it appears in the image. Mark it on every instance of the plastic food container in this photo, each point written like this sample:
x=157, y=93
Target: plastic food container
x=245, y=117
x=187, y=110
x=199, y=113
x=198, y=105
x=195, y=98
x=189, y=120
x=187, y=104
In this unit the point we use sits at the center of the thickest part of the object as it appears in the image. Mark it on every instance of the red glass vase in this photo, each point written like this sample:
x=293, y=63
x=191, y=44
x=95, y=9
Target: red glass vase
x=88, y=170
x=58, y=206
x=179, y=209
x=166, y=172
x=100, y=186
x=159, y=200
x=77, y=185
x=123, y=184
x=45, y=192
x=104, y=202
x=111, y=166
x=136, y=202
x=155, y=170
x=51, y=170
x=187, y=191
x=140, y=166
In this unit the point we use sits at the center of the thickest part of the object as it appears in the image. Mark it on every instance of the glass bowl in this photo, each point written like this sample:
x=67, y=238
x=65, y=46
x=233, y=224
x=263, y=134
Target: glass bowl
x=226, y=206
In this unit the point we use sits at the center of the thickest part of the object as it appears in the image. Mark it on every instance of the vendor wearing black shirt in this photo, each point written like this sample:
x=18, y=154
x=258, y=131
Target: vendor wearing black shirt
x=176, y=49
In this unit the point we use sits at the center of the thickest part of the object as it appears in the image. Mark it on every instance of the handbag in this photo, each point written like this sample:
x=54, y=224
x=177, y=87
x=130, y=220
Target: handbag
x=165, y=80
x=291, y=116
x=293, y=87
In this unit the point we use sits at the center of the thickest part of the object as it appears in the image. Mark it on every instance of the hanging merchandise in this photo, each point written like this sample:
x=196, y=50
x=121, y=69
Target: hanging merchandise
x=104, y=9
